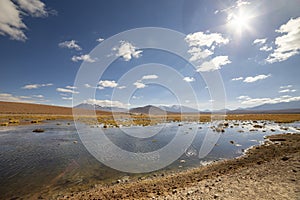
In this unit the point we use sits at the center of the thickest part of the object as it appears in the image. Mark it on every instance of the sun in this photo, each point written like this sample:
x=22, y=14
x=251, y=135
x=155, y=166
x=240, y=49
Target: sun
x=238, y=23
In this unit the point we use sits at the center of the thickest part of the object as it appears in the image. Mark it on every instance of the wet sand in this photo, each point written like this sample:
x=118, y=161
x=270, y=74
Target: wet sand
x=270, y=171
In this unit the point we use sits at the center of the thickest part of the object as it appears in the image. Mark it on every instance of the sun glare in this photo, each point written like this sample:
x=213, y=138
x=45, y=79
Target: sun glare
x=239, y=23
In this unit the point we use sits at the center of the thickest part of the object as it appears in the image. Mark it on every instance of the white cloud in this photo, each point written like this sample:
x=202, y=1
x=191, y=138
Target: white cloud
x=202, y=45
x=262, y=44
x=8, y=97
x=106, y=103
x=12, y=98
x=35, y=8
x=234, y=8
x=64, y=90
x=198, y=54
x=251, y=79
x=243, y=97
x=139, y=84
x=265, y=48
x=127, y=51
x=147, y=77
x=100, y=40
x=257, y=101
x=240, y=3
x=200, y=39
x=89, y=86
x=288, y=44
x=237, y=79
x=36, y=86
x=25, y=97
x=107, y=83
x=136, y=97
x=67, y=98
x=285, y=86
x=189, y=79
x=214, y=64
x=11, y=16
x=71, y=87
x=237, y=4
x=287, y=90
x=121, y=87
x=70, y=45
x=260, y=41
x=38, y=96
x=85, y=57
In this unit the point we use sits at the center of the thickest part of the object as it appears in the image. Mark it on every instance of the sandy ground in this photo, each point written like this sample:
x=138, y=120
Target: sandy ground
x=271, y=171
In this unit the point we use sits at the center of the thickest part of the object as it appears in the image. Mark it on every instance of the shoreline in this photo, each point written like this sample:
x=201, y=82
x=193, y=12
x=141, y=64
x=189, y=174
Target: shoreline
x=144, y=120
x=278, y=158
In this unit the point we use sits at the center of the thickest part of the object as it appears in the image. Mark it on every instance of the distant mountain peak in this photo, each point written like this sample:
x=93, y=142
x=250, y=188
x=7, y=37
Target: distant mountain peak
x=179, y=109
x=148, y=109
x=89, y=106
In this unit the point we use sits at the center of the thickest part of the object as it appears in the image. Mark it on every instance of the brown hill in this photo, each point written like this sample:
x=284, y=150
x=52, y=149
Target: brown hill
x=30, y=108
x=152, y=110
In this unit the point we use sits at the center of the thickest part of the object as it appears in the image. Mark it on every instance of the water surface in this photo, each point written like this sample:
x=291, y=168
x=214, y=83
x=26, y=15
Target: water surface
x=36, y=164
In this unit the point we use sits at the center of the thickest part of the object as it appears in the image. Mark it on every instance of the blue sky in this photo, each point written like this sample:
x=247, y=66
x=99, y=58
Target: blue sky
x=254, y=45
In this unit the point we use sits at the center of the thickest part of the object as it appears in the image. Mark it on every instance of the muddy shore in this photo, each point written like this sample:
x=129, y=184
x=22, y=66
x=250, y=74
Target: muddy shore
x=270, y=171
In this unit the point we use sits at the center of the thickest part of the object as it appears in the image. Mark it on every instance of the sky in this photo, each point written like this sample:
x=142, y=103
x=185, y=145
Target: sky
x=251, y=46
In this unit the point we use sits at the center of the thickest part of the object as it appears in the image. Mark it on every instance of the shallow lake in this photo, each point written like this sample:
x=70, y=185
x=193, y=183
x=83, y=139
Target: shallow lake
x=36, y=164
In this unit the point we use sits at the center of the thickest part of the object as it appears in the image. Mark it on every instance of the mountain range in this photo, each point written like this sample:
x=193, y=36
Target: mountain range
x=291, y=107
x=88, y=106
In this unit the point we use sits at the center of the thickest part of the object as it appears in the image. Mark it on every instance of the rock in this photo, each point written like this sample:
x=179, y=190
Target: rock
x=38, y=130
x=119, y=181
x=231, y=142
x=285, y=158
x=216, y=196
x=274, y=139
x=14, y=121
x=257, y=126
x=220, y=130
x=189, y=193
x=75, y=142
x=4, y=124
x=125, y=178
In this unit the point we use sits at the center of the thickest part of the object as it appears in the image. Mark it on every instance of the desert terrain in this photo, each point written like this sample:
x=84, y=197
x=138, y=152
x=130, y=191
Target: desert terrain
x=269, y=171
